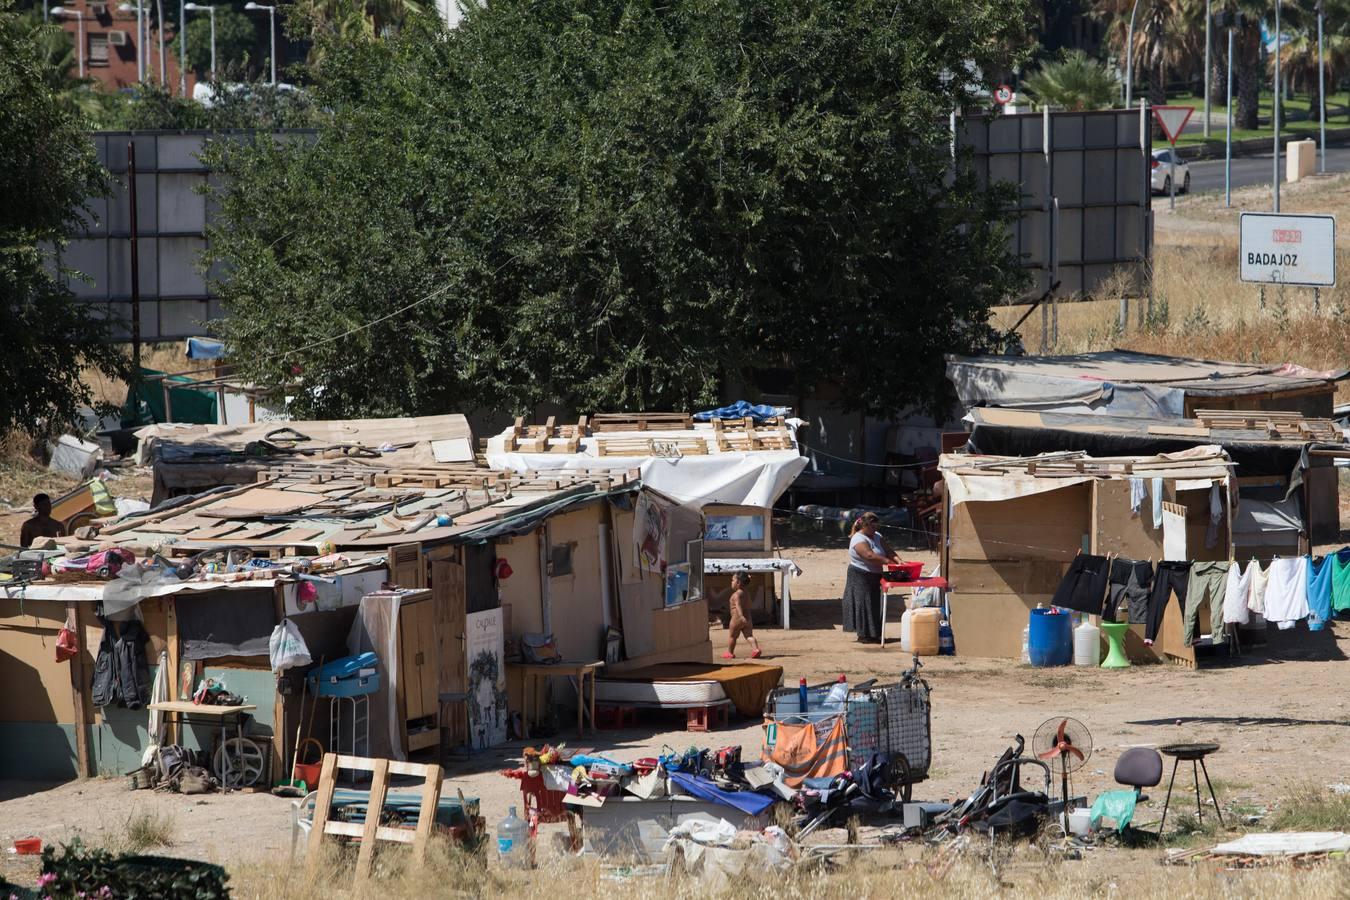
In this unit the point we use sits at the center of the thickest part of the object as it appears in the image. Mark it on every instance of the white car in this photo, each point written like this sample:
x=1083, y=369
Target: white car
x=1162, y=173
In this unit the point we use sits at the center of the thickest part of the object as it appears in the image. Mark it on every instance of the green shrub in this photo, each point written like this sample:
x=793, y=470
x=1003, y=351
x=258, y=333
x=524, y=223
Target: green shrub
x=95, y=873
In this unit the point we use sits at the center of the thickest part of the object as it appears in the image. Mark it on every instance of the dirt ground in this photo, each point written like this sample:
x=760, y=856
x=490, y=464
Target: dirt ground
x=1282, y=724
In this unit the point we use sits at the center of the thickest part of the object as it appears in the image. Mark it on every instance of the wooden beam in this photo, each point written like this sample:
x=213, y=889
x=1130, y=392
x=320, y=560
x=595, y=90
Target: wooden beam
x=79, y=687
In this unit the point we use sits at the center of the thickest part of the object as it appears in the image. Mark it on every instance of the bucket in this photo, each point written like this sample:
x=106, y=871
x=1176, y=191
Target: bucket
x=923, y=632
x=309, y=772
x=1050, y=638
x=29, y=846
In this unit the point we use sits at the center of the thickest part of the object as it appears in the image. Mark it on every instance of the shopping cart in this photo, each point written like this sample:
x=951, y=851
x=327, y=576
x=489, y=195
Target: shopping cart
x=893, y=719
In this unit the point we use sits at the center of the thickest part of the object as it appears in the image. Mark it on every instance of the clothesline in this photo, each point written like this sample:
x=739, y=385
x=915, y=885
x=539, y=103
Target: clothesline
x=1288, y=591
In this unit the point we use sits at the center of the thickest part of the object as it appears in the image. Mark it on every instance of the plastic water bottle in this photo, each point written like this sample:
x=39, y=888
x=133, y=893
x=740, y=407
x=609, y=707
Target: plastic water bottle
x=802, y=694
x=838, y=695
x=512, y=842
x=1026, y=643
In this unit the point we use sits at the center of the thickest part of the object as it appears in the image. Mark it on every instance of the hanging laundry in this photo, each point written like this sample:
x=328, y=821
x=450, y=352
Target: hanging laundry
x=1084, y=586
x=1138, y=494
x=1130, y=584
x=1340, y=580
x=1256, y=597
x=1207, y=582
x=1236, y=594
x=1319, y=592
x=1287, y=592
x=1157, y=502
x=1170, y=578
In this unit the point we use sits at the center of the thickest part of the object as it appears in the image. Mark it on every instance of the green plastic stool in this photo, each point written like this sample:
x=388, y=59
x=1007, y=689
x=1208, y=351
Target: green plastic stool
x=1115, y=637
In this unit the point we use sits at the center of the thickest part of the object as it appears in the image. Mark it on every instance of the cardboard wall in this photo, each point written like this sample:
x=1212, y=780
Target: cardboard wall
x=1006, y=557
x=521, y=592
x=37, y=688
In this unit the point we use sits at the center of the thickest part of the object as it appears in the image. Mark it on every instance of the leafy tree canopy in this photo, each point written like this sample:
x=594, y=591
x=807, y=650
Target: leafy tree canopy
x=612, y=204
x=49, y=172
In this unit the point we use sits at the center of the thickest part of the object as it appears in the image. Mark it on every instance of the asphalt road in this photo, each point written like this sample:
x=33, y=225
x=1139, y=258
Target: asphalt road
x=1249, y=170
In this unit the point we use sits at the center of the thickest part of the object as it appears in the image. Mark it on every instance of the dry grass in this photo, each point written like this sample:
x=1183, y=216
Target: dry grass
x=22, y=476
x=167, y=357
x=1201, y=309
x=146, y=831
x=1021, y=871
x=1312, y=808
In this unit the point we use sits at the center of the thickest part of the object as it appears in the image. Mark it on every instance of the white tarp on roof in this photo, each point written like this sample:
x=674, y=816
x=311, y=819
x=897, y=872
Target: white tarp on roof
x=741, y=478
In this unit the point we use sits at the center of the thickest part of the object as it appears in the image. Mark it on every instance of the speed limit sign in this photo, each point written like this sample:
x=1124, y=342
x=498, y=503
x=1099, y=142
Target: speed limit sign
x=1003, y=95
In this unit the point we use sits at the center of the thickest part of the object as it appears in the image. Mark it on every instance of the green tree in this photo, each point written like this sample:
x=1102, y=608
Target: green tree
x=616, y=204
x=236, y=36
x=1075, y=81
x=50, y=172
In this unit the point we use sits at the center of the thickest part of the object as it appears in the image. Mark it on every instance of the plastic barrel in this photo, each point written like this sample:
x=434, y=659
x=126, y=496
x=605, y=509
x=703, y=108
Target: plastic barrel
x=1050, y=638
x=923, y=632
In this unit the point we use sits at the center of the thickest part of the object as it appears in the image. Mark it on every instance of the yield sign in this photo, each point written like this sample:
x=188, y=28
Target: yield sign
x=1172, y=119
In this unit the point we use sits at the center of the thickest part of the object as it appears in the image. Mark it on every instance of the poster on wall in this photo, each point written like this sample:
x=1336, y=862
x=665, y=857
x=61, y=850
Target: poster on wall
x=734, y=528
x=487, y=678
x=651, y=532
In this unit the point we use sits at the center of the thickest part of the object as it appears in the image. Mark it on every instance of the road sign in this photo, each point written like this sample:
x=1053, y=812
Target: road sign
x=1172, y=119
x=1003, y=95
x=1284, y=249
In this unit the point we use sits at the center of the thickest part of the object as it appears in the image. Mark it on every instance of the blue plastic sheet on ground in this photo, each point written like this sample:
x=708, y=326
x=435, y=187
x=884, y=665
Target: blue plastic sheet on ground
x=748, y=802
x=739, y=410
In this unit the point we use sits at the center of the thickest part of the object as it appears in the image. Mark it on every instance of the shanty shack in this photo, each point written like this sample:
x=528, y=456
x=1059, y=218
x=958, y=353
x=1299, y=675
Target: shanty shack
x=1129, y=383
x=728, y=471
x=1284, y=463
x=426, y=565
x=1013, y=525
x=188, y=459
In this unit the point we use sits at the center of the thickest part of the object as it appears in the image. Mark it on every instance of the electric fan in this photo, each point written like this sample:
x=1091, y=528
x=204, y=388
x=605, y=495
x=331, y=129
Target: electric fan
x=1065, y=744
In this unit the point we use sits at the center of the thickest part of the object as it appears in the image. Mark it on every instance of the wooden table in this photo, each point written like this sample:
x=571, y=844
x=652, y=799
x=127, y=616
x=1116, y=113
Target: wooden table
x=576, y=673
x=183, y=711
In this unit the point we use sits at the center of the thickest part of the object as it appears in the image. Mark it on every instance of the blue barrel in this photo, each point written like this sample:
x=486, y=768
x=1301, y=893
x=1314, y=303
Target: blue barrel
x=1050, y=638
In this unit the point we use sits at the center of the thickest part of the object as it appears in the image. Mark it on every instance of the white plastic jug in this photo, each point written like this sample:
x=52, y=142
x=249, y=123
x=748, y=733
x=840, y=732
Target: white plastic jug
x=1087, y=644
x=906, y=624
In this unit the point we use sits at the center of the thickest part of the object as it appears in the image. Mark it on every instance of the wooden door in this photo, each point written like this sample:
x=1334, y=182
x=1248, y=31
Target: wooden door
x=449, y=599
x=417, y=661
x=406, y=568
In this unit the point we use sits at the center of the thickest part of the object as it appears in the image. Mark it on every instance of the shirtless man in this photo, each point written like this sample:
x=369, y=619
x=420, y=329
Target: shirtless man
x=740, y=616
x=42, y=524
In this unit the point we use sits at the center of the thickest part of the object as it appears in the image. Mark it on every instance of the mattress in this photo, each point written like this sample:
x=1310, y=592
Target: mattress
x=746, y=684
x=663, y=693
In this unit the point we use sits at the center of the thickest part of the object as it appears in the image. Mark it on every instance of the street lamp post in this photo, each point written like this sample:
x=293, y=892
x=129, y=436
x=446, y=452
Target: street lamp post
x=1209, y=20
x=1275, y=173
x=197, y=7
x=1129, y=58
x=1321, y=95
x=271, y=31
x=182, y=49
x=139, y=10
x=61, y=12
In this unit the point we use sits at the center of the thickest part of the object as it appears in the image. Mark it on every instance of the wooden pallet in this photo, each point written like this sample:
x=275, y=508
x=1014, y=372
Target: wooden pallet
x=371, y=830
x=664, y=447
x=649, y=421
x=1287, y=425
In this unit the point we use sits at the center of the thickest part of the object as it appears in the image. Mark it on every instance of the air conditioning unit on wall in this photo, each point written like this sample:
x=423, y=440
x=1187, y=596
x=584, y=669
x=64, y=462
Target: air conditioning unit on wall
x=118, y=38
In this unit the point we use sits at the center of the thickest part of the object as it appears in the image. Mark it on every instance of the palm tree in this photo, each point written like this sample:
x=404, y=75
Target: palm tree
x=352, y=19
x=1166, y=34
x=1075, y=82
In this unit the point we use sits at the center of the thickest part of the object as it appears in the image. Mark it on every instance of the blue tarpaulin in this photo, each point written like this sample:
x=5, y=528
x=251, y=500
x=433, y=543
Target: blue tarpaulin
x=205, y=348
x=748, y=802
x=739, y=410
